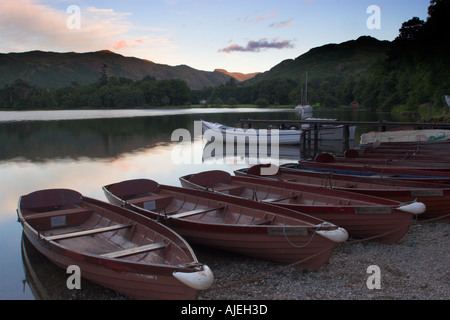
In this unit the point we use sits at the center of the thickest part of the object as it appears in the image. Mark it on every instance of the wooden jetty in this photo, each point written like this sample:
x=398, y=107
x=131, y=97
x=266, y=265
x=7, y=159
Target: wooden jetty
x=315, y=124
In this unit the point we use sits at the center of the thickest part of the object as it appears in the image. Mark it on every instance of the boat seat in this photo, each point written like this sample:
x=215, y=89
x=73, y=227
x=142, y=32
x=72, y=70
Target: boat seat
x=57, y=213
x=280, y=199
x=260, y=222
x=87, y=232
x=149, y=198
x=194, y=212
x=228, y=188
x=135, y=250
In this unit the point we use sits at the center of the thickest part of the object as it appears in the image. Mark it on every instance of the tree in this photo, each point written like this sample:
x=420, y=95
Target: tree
x=262, y=102
x=232, y=102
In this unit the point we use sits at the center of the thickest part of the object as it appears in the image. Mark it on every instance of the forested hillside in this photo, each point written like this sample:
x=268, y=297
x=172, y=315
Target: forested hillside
x=59, y=70
x=416, y=69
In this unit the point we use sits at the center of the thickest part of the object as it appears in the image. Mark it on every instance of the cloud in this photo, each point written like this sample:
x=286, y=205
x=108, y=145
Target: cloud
x=256, y=46
x=261, y=18
x=32, y=25
x=281, y=24
x=128, y=44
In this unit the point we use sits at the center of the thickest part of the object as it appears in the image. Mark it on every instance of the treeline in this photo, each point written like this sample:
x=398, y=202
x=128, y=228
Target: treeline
x=108, y=93
x=330, y=92
x=113, y=93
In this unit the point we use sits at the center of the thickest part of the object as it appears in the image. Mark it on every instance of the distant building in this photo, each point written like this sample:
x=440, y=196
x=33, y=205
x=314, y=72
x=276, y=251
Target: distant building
x=354, y=104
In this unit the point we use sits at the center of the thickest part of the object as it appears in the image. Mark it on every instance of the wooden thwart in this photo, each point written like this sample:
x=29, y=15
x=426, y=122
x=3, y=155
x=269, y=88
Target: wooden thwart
x=57, y=213
x=280, y=199
x=194, y=212
x=135, y=250
x=88, y=232
x=148, y=198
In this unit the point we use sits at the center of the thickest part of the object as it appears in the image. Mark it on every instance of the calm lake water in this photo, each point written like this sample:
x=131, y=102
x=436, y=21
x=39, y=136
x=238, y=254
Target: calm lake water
x=85, y=150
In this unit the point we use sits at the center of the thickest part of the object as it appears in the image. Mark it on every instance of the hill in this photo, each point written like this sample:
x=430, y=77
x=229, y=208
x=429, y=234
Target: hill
x=50, y=69
x=350, y=58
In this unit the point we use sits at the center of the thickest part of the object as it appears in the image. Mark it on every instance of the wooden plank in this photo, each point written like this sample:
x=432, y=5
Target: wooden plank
x=194, y=212
x=57, y=213
x=135, y=250
x=227, y=188
x=148, y=198
x=280, y=199
x=260, y=222
x=88, y=232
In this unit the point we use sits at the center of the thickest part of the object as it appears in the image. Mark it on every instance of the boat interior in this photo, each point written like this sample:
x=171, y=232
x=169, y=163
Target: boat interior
x=170, y=204
x=223, y=182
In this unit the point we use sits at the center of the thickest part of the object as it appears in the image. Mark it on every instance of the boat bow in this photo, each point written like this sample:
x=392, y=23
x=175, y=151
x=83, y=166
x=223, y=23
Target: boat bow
x=414, y=207
x=337, y=235
x=200, y=280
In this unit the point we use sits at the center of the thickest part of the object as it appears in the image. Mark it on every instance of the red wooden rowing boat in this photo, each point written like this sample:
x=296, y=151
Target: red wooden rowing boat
x=363, y=216
x=436, y=197
x=367, y=162
x=373, y=172
x=112, y=246
x=237, y=225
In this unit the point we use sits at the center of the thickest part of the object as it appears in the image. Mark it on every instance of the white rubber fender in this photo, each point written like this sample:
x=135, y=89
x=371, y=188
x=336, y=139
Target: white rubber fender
x=414, y=208
x=200, y=280
x=337, y=235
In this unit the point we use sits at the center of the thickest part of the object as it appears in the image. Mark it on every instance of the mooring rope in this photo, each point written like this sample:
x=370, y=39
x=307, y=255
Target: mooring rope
x=300, y=246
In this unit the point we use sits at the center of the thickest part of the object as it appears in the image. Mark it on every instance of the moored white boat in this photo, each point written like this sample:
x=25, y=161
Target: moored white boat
x=285, y=136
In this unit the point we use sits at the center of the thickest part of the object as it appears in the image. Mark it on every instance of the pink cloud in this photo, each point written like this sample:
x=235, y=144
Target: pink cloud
x=281, y=24
x=127, y=44
x=261, y=18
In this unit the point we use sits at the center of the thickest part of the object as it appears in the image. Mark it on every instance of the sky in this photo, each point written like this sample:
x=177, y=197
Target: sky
x=236, y=35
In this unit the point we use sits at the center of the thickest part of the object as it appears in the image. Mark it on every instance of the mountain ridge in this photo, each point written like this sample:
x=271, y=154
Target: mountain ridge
x=352, y=57
x=53, y=69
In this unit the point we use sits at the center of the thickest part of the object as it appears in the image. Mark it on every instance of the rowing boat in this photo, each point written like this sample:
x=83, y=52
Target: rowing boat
x=368, y=162
x=363, y=216
x=284, y=136
x=233, y=134
x=433, y=176
x=241, y=226
x=112, y=246
x=436, y=197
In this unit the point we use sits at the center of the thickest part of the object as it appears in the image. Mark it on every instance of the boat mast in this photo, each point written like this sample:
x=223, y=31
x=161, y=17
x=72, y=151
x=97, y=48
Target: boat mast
x=306, y=89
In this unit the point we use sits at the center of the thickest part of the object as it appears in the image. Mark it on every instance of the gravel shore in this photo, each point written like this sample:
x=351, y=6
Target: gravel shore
x=415, y=268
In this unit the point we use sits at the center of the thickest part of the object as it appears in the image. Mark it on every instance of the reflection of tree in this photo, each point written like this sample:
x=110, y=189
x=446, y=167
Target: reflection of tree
x=93, y=138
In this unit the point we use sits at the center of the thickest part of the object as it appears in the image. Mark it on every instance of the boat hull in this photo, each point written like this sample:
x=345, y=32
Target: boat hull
x=142, y=284
x=135, y=278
